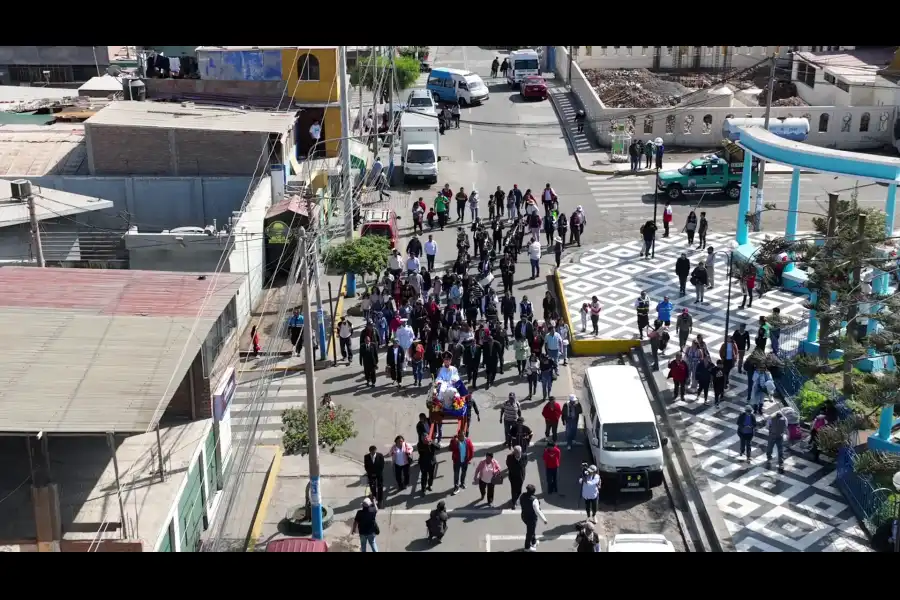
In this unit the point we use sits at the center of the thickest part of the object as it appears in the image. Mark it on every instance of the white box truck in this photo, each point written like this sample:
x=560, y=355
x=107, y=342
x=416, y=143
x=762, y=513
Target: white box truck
x=419, y=146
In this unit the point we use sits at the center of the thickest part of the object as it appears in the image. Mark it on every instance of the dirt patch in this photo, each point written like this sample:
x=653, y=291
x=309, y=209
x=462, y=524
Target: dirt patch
x=634, y=88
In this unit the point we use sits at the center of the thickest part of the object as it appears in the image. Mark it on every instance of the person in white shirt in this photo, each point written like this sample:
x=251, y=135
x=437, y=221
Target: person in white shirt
x=412, y=264
x=590, y=492
x=534, y=255
x=448, y=372
x=563, y=330
x=405, y=335
x=395, y=263
x=401, y=454
x=431, y=249
x=345, y=333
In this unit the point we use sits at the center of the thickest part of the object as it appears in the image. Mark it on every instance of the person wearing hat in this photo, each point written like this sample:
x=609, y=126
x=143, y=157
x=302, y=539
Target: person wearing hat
x=682, y=270
x=684, y=326
x=531, y=512
x=405, y=335
x=590, y=492
x=365, y=525
x=642, y=306
x=746, y=427
x=516, y=461
x=571, y=417
x=395, y=359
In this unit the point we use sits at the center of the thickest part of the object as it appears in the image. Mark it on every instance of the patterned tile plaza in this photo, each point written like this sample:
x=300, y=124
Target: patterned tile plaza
x=797, y=509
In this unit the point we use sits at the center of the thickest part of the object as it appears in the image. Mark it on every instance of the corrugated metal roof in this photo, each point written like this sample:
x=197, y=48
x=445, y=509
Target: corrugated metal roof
x=49, y=204
x=35, y=150
x=177, y=116
x=96, y=350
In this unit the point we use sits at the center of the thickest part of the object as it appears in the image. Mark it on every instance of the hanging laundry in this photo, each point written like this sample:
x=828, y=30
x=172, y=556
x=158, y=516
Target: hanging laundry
x=175, y=65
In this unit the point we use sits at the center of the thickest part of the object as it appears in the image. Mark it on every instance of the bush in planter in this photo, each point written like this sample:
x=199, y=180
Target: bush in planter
x=335, y=428
x=810, y=401
x=361, y=256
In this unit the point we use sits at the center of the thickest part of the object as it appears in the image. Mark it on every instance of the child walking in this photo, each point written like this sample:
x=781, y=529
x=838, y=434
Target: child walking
x=585, y=311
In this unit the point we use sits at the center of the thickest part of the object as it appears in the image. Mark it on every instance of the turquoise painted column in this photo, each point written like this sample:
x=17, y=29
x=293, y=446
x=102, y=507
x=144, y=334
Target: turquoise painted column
x=744, y=205
x=813, y=330
x=793, y=216
x=890, y=207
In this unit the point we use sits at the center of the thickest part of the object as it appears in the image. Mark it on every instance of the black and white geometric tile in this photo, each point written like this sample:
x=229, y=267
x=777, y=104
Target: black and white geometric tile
x=616, y=274
x=795, y=509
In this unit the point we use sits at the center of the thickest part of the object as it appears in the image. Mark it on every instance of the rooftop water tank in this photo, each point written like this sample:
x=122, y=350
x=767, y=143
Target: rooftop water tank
x=795, y=129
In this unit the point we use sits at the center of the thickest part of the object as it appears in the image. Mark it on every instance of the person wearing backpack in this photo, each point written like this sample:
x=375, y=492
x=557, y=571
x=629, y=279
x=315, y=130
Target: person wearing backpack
x=746, y=427
x=535, y=224
x=761, y=385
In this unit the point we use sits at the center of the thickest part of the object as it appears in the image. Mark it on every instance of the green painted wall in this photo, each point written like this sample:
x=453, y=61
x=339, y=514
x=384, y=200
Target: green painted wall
x=212, y=465
x=168, y=543
x=191, y=510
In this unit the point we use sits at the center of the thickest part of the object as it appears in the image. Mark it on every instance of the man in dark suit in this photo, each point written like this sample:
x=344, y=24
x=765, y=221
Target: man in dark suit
x=395, y=359
x=491, y=351
x=374, y=465
x=524, y=330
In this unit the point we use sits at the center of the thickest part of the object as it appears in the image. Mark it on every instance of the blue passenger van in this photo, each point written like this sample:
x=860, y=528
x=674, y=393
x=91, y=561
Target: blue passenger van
x=450, y=85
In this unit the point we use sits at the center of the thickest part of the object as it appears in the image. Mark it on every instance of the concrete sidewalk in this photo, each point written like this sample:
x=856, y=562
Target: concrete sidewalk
x=594, y=159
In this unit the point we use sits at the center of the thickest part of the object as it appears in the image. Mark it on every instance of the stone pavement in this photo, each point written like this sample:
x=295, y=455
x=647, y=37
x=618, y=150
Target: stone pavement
x=592, y=158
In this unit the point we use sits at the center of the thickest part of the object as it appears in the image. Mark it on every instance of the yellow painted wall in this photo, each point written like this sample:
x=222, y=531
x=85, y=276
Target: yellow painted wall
x=332, y=131
x=327, y=89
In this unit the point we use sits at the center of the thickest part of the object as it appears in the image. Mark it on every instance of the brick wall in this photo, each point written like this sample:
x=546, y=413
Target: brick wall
x=148, y=151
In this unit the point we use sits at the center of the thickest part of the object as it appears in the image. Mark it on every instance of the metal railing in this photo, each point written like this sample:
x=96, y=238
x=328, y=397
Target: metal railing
x=873, y=506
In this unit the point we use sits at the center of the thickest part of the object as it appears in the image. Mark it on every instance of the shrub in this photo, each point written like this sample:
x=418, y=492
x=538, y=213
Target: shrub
x=810, y=401
x=335, y=428
x=369, y=72
x=361, y=256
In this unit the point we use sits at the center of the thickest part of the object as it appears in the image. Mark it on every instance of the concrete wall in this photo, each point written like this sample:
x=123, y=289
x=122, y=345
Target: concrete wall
x=54, y=55
x=155, y=203
x=701, y=127
x=114, y=150
x=244, y=251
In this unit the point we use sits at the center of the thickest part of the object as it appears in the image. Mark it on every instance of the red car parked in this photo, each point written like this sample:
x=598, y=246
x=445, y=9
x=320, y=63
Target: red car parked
x=534, y=86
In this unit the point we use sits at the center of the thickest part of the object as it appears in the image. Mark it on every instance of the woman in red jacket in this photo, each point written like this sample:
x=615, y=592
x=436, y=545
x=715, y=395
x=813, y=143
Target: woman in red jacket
x=552, y=413
x=552, y=457
x=678, y=371
x=748, y=283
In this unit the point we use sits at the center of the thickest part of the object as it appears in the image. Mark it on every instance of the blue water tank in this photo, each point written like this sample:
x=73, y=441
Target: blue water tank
x=795, y=129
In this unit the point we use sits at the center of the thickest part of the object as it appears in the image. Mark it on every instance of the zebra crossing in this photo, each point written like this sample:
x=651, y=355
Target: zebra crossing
x=284, y=392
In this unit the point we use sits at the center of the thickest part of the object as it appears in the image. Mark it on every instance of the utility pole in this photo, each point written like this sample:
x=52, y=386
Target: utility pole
x=345, y=146
x=359, y=87
x=569, y=77
x=314, y=274
x=392, y=76
x=824, y=295
x=315, y=494
x=757, y=220
x=36, y=232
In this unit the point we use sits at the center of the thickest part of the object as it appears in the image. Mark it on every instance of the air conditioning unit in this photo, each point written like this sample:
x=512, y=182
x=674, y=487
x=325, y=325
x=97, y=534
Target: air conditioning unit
x=20, y=189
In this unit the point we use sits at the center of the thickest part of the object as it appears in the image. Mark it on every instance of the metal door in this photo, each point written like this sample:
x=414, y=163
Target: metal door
x=657, y=57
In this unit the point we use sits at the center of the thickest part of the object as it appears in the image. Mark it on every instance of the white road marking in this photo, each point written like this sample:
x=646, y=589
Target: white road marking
x=472, y=154
x=488, y=538
x=470, y=126
x=465, y=512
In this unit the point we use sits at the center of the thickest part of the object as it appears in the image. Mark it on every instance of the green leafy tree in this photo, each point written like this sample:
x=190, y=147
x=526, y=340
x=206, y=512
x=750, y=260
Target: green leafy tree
x=335, y=428
x=370, y=73
x=362, y=256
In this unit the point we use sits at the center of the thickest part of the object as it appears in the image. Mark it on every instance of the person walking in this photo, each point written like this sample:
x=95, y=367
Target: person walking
x=704, y=378
x=762, y=334
x=431, y=250
x=741, y=337
x=552, y=412
x=461, y=452
x=718, y=379
x=777, y=425
x=401, y=455
x=728, y=353
x=553, y=347
x=710, y=265
x=762, y=388
x=563, y=330
x=699, y=277
x=667, y=218
x=552, y=458
x=427, y=463
x=660, y=151
x=473, y=205
x=504, y=67
x=521, y=434
x=395, y=359
x=587, y=539
x=690, y=227
x=595, y=314
x=748, y=284
x=455, y=114
x=682, y=270
x=487, y=475
x=648, y=234
x=533, y=373
x=461, y=199
x=590, y=492
x=678, y=372
x=495, y=66
x=642, y=306
x=580, y=117
x=516, y=462
x=523, y=351
x=634, y=155
x=368, y=358
x=499, y=201
x=547, y=374
x=373, y=463
x=692, y=356
x=345, y=335
x=509, y=412
x=442, y=208
x=295, y=328
x=702, y=230
x=684, y=326
x=255, y=346
x=366, y=526
x=534, y=255
x=492, y=353
x=664, y=311
x=571, y=417
x=531, y=512
x=746, y=427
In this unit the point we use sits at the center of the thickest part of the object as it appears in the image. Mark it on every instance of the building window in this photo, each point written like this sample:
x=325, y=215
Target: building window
x=602, y=50
x=644, y=50
x=588, y=50
x=218, y=335
x=648, y=124
x=823, y=123
x=829, y=78
x=308, y=68
x=807, y=74
x=864, y=122
x=843, y=86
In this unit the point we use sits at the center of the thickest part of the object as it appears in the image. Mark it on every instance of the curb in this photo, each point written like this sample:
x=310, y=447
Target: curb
x=262, y=508
x=640, y=173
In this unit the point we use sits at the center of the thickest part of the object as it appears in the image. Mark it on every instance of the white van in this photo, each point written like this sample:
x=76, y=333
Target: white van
x=620, y=427
x=522, y=63
x=641, y=542
x=450, y=85
x=421, y=101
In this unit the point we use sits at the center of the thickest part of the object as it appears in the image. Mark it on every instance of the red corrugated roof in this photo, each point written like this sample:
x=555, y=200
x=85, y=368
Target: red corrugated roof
x=297, y=545
x=295, y=204
x=117, y=292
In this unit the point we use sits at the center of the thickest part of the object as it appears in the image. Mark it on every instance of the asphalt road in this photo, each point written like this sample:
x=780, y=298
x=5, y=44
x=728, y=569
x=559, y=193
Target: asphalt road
x=485, y=157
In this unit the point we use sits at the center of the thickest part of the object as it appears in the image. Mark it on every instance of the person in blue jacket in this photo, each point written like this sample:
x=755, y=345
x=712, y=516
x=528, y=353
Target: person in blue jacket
x=664, y=311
